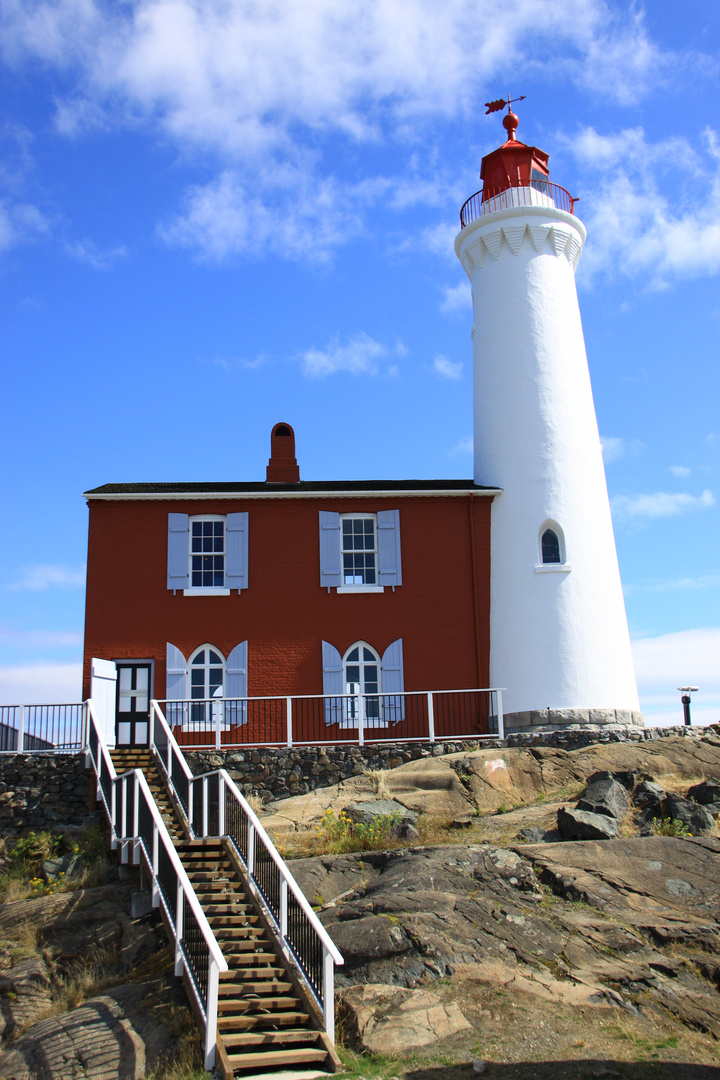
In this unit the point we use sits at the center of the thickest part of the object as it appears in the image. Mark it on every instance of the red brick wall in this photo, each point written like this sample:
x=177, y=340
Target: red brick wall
x=285, y=614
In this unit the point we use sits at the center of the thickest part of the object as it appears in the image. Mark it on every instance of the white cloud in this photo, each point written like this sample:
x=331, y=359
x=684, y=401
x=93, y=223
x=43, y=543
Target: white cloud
x=263, y=88
x=88, y=252
x=456, y=298
x=642, y=223
x=614, y=448
x=40, y=639
x=679, y=470
x=661, y=504
x=449, y=369
x=685, y=658
x=359, y=356
x=42, y=576
x=42, y=682
x=463, y=448
x=20, y=223
x=687, y=584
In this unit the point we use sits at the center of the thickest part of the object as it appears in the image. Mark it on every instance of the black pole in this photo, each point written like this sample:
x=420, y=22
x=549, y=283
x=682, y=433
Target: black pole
x=686, y=709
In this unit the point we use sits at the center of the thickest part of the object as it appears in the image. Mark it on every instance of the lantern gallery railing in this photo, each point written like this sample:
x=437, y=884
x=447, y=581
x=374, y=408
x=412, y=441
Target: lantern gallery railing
x=354, y=719
x=33, y=728
x=213, y=806
x=534, y=193
x=137, y=828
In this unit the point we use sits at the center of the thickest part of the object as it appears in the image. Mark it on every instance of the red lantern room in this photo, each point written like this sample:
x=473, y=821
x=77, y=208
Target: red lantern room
x=513, y=164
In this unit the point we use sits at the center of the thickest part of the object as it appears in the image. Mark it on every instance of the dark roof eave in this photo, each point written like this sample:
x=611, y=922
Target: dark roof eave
x=305, y=488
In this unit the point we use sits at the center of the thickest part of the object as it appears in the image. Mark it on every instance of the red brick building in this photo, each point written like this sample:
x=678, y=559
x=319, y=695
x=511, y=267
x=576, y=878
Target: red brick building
x=287, y=587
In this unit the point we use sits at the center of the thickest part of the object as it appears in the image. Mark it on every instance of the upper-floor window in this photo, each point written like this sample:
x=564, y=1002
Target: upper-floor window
x=359, y=549
x=360, y=552
x=207, y=553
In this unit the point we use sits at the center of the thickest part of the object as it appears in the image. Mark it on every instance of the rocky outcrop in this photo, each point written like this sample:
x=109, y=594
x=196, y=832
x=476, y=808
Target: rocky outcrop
x=608, y=924
x=386, y=1019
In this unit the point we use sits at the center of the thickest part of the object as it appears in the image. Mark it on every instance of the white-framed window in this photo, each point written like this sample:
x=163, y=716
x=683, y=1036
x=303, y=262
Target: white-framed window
x=362, y=676
x=551, y=549
x=207, y=553
x=206, y=678
x=358, y=547
x=360, y=552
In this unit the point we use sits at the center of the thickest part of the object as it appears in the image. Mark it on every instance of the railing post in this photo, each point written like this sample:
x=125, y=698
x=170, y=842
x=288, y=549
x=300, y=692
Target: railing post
x=218, y=723
x=179, y=928
x=329, y=993
x=361, y=719
x=283, y=907
x=151, y=726
x=211, y=1013
x=123, y=820
x=431, y=717
x=136, y=821
x=205, y=807
x=113, y=787
x=251, y=849
x=155, y=864
x=191, y=805
x=21, y=730
x=288, y=702
x=500, y=717
x=221, y=805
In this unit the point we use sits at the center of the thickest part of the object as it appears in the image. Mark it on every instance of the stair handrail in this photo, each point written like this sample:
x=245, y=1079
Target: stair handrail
x=173, y=761
x=322, y=989
x=124, y=804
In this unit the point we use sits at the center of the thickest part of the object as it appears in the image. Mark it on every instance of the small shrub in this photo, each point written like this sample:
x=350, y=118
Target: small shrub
x=670, y=827
x=344, y=834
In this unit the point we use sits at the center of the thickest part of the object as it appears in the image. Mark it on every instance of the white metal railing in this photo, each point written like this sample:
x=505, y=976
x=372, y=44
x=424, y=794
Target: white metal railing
x=36, y=728
x=213, y=806
x=315, y=719
x=137, y=827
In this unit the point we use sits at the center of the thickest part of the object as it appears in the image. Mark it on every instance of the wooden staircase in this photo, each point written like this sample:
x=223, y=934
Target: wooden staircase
x=266, y=1018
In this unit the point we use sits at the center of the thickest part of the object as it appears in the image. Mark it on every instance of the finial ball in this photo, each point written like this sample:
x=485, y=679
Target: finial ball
x=510, y=123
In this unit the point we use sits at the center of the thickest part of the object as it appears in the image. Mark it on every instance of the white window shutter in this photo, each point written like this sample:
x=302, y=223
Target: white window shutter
x=393, y=682
x=178, y=551
x=332, y=682
x=236, y=681
x=236, y=558
x=389, y=564
x=175, y=683
x=330, y=572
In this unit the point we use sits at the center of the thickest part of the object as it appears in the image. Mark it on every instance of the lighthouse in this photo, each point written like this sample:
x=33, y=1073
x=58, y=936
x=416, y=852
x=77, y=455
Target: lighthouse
x=559, y=640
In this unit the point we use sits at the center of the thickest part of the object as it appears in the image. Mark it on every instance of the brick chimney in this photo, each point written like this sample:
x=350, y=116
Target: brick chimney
x=282, y=466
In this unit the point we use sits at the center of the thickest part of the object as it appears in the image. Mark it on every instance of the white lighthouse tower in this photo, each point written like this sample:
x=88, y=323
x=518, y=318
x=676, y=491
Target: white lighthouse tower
x=559, y=640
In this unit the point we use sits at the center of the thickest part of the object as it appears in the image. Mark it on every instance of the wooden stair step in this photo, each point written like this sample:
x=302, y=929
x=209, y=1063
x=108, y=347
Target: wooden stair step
x=253, y=1005
x=248, y=1019
x=269, y=1038
x=253, y=1060
x=254, y=986
x=231, y=921
x=243, y=975
x=238, y=933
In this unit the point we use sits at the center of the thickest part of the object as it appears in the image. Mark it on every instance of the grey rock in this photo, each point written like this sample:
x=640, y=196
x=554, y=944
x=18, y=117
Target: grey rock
x=531, y=835
x=606, y=797
x=364, y=813
x=697, y=819
x=68, y=866
x=649, y=796
x=705, y=793
x=584, y=825
x=140, y=903
x=405, y=831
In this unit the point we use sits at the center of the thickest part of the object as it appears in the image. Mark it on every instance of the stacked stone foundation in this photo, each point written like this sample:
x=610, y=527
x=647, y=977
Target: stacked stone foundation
x=546, y=720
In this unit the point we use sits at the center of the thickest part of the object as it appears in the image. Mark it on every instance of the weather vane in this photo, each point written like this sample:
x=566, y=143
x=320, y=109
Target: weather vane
x=495, y=106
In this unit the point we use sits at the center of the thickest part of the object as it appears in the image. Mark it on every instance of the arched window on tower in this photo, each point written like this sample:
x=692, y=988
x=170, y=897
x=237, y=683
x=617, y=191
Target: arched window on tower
x=206, y=669
x=550, y=544
x=551, y=547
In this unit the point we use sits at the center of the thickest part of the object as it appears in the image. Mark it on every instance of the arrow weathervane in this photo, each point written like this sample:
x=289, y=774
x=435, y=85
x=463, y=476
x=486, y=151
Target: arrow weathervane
x=495, y=106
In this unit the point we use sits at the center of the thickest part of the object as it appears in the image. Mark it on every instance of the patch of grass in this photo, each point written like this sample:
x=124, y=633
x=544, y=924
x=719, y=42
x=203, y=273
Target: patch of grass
x=186, y=1063
x=370, y=1066
x=23, y=878
x=339, y=833
x=378, y=779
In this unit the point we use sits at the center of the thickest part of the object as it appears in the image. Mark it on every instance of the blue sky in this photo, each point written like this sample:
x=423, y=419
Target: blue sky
x=218, y=215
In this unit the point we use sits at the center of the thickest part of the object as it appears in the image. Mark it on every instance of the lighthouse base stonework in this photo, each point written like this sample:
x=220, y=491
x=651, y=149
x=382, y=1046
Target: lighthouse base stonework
x=542, y=720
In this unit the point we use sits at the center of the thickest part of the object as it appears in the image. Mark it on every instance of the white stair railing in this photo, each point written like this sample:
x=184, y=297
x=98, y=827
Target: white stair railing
x=214, y=806
x=138, y=829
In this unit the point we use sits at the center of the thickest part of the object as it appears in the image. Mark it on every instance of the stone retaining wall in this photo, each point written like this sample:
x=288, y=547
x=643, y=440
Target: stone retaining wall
x=278, y=773
x=42, y=791
x=39, y=791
